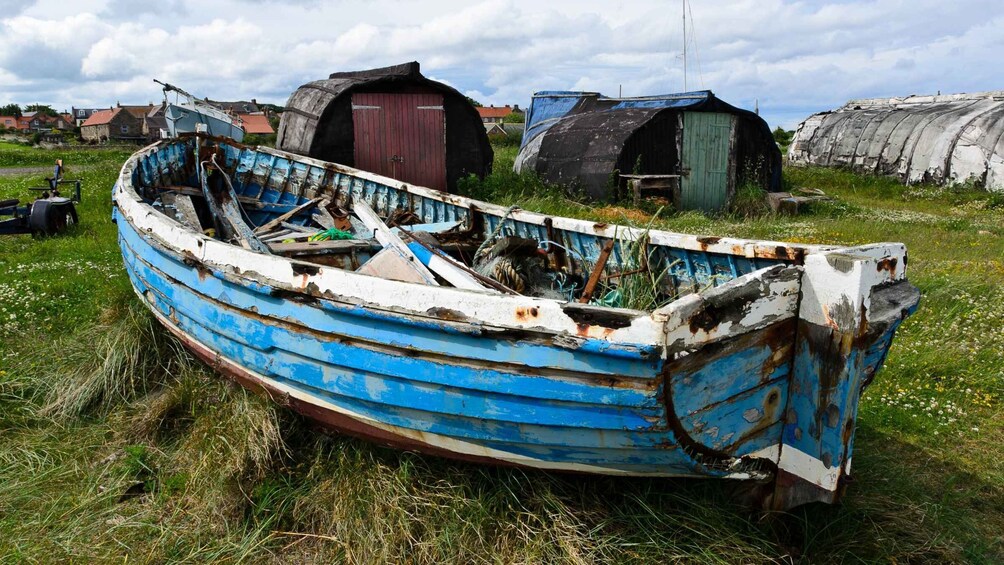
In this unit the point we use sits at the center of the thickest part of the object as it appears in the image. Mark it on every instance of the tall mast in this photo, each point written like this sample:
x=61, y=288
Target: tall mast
x=684, y=3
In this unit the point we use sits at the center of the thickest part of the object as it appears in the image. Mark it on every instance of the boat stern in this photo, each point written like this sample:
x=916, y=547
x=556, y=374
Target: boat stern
x=852, y=302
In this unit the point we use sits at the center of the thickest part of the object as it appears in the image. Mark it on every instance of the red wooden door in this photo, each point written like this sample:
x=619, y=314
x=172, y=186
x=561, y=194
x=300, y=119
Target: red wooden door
x=402, y=136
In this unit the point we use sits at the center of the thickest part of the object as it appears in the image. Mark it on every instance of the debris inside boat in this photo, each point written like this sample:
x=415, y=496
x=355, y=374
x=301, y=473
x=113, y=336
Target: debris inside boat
x=350, y=235
x=434, y=322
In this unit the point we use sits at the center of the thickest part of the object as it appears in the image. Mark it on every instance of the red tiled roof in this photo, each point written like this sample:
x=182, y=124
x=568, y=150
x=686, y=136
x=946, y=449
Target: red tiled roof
x=256, y=123
x=101, y=117
x=494, y=111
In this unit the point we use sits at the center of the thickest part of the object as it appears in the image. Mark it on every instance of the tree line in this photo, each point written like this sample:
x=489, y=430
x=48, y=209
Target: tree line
x=17, y=112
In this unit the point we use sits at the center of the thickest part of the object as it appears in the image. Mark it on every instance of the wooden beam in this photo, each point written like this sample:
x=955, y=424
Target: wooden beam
x=594, y=277
x=314, y=247
x=299, y=228
x=276, y=222
x=276, y=236
x=184, y=209
x=323, y=217
x=387, y=238
x=227, y=214
x=391, y=264
x=445, y=266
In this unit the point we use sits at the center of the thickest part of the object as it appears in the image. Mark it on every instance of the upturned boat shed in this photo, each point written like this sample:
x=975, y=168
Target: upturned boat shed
x=704, y=146
x=942, y=139
x=391, y=121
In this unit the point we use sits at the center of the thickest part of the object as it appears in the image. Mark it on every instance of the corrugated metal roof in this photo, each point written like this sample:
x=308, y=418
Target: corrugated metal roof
x=941, y=139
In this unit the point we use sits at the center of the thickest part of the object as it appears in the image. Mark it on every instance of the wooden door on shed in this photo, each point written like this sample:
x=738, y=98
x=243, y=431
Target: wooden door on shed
x=402, y=136
x=707, y=161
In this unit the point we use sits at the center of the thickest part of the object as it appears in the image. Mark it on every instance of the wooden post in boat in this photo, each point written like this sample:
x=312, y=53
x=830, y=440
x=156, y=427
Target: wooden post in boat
x=594, y=277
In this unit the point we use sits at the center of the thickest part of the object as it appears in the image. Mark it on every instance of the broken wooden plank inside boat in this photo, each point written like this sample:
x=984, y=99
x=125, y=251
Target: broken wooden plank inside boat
x=689, y=356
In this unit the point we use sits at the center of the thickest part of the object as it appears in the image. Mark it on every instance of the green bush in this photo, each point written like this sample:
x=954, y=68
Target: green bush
x=783, y=137
x=266, y=139
x=514, y=118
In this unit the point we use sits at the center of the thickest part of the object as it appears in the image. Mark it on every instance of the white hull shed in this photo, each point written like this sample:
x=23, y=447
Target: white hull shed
x=941, y=139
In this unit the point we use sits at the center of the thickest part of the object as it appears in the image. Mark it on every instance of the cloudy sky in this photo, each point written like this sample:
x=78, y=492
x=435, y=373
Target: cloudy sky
x=794, y=58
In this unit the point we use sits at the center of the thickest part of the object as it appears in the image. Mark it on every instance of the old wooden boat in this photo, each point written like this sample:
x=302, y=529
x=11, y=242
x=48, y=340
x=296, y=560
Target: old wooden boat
x=186, y=113
x=749, y=367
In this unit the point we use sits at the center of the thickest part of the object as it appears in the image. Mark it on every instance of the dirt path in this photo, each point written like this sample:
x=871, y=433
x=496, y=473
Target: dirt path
x=16, y=171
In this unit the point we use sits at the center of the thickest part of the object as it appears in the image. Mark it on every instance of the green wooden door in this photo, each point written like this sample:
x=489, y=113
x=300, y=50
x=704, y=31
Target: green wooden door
x=706, y=161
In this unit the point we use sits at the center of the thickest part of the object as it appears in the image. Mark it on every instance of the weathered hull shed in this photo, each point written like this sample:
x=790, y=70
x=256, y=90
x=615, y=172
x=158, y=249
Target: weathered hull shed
x=939, y=139
x=582, y=139
x=752, y=372
x=391, y=121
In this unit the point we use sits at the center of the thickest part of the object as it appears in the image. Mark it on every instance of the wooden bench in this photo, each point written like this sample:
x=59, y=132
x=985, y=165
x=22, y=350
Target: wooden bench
x=648, y=186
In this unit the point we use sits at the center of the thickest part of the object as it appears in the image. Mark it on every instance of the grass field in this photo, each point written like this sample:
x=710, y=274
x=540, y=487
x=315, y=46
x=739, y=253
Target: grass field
x=116, y=446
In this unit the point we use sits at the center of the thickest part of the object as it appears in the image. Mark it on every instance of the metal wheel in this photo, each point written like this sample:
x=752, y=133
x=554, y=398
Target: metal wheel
x=50, y=217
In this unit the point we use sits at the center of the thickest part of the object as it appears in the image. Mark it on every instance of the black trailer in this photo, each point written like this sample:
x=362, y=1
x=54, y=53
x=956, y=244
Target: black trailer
x=49, y=214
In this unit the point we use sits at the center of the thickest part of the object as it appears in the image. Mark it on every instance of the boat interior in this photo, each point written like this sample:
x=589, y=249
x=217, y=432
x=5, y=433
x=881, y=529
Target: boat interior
x=333, y=216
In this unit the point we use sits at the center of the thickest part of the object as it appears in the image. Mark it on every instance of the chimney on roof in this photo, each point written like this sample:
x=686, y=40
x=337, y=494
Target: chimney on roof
x=253, y=101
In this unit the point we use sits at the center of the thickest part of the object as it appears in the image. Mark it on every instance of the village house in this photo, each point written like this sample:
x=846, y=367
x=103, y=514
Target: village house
x=238, y=107
x=152, y=118
x=497, y=114
x=114, y=123
x=154, y=121
x=80, y=115
x=38, y=121
x=8, y=122
x=255, y=119
x=125, y=123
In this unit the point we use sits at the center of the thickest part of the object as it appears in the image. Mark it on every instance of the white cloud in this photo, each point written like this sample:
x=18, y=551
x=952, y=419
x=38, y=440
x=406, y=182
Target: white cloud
x=34, y=48
x=794, y=57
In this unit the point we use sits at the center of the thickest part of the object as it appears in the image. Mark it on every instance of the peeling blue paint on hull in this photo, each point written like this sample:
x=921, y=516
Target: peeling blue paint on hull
x=757, y=376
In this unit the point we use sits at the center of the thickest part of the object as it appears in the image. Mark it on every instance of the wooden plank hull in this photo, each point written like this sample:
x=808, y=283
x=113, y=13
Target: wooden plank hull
x=702, y=387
